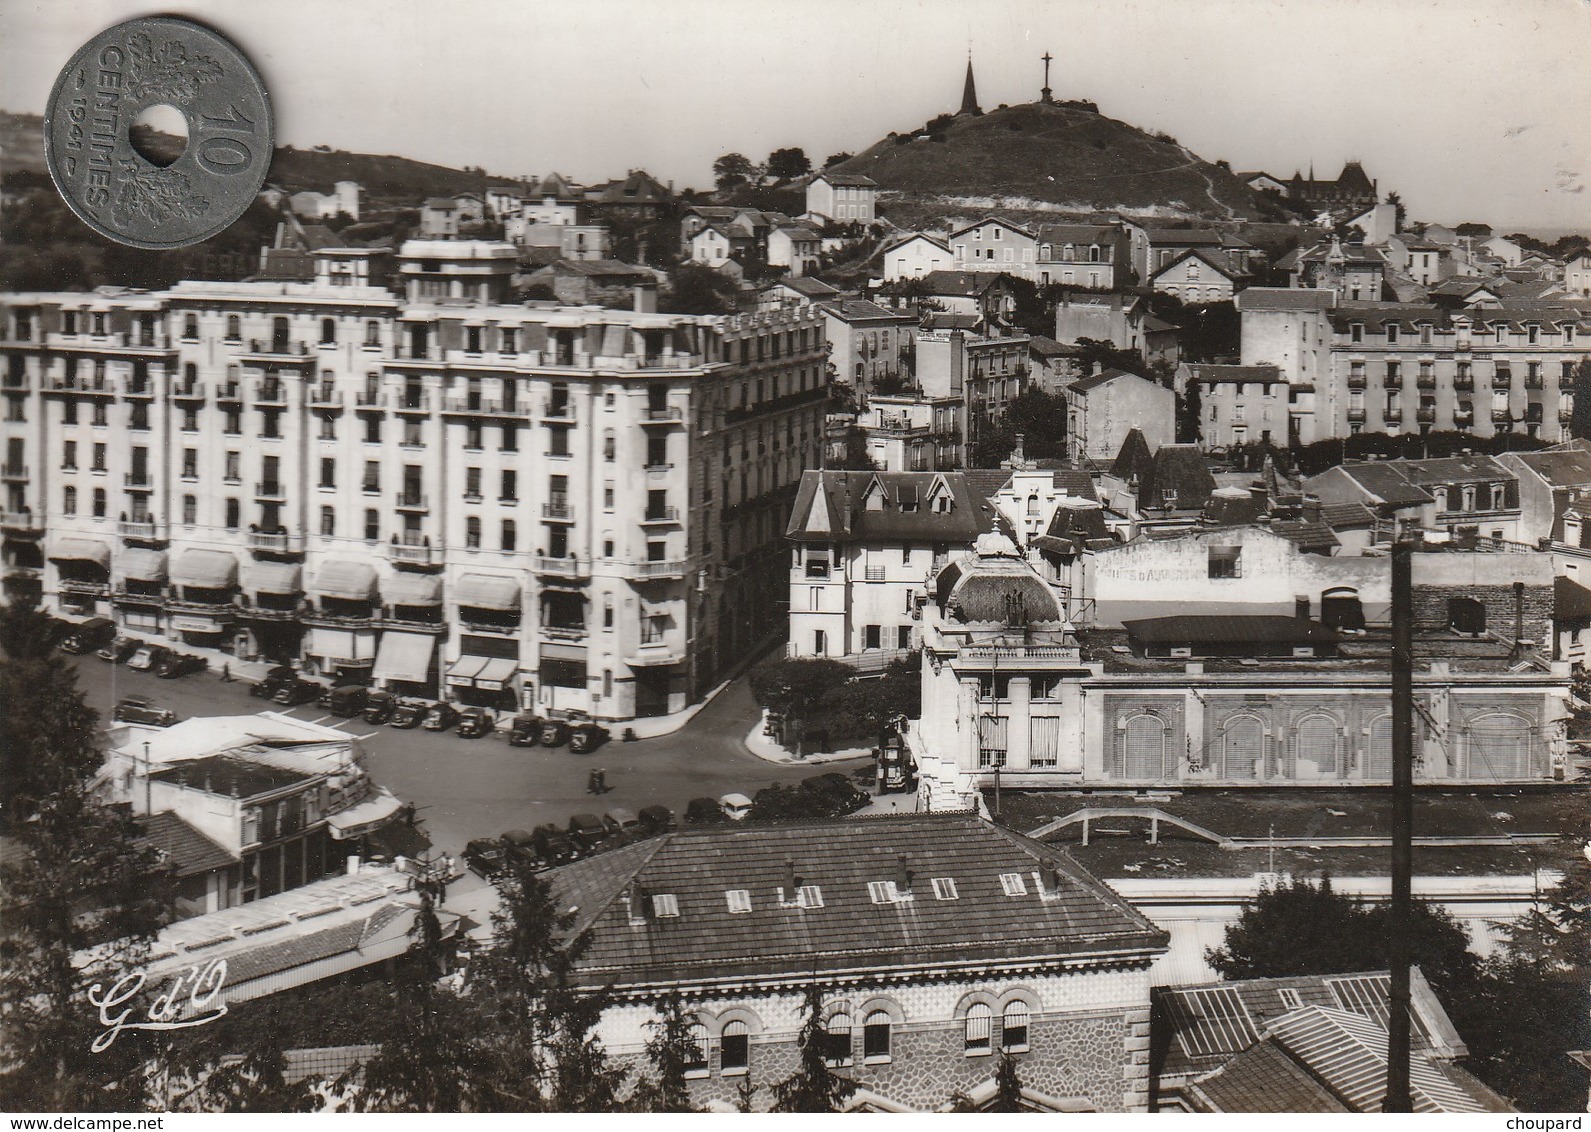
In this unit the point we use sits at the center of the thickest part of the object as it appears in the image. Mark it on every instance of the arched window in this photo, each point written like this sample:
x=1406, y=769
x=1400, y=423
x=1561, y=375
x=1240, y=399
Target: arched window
x=1144, y=742
x=1378, y=757
x=980, y=1023
x=1033, y=505
x=1340, y=609
x=696, y=1051
x=372, y=333
x=837, y=1039
x=1466, y=615
x=234, y=328
x=875, y=1036
x=1014, y=1027
x=1314, y=748
x=1499, y=747
x=328, y=330
x=734, y=1047
x=1242, y=747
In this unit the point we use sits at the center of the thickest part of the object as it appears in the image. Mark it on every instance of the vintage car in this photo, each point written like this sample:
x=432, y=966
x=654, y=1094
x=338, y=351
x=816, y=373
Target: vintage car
x=88, y=636
x=586, y=737
x=175, y=664
x=407, y=714
x=379, y=706
x=485, y=856
x=346, y=700
x=475, y=722
x=554, y=733
x=736, y=807
x=554, y=846
x=148, y=657
x=273, y=682
x=588, y=832
x=140, y=709
x=120, y=649
x=440, y=716
x=656, y=819
x=298, y=692
x=526, y=730
x=704, y=811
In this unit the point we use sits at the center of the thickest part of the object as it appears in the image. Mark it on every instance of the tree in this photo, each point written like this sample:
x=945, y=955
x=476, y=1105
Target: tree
x=791, y=686
x=671, y=1050
x=837, y=159
x=856, y=458
x=1400, y=214
x=733, y=169
x=695, y=289
x=1038, y=417
x=813, y=1087
x=1007, y=1087
x=787, y=164
x=47, y=732
x=1097, y=356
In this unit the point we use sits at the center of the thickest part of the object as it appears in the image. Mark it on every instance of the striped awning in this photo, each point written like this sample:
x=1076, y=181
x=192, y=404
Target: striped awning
x=404, y=656
x=81, y=550
x=412, y=589
x=207, y=569
x=273, y=578
x=462, y=672
x=139, y=565
x=487, y=591
x=345, y=578
x=496, y=674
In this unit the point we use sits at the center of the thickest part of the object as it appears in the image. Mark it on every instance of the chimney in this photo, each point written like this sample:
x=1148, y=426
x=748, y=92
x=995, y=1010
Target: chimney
x=1049, y=877
x=1301, y=606
x=1312, y=508
x=646, y=298
x=792, y=883
x=903, y=877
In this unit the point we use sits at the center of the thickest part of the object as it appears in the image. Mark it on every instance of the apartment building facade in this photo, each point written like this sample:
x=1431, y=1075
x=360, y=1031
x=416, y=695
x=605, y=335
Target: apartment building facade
x=442, y=493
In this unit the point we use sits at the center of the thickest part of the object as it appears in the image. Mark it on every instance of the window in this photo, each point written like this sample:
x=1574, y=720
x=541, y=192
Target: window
x=809, y=896
x=979, y=1027
x=696, y=1051
x=557, y=441
x=102, y=417
x=372, y=483
x=472, y=339
x=1467, y=616
x=738, y=899
x=820, y=643
x=328, y=331
x=607, y=496
x=328, y=471
x=609, y=446
x=510, y=535
x=509, y=487
x=190, y=326
x=875, y=1037
x=233, y=511
x=665, y=904
x=372, y=334
x=234, y=328
x=871, y=636
x=734, y=1048
x=69, y=501
x=1013, y=884
x=1226, y=561
x=837, y=1039
x=69, y=456
x=372, y=524
x=509, y=342
x=1289, y=997
x=472, y=532
x=945, y=889
x=472, y=483
x=328, y=522
x=1014, y=1027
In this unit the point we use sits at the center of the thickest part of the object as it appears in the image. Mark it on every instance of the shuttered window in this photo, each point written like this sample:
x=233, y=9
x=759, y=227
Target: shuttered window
x=991, y=740
x=1315, y=743
x=980, y=1023
x=1145, y=746
x=1242, y=747
x=1014, y=1027
x=1378, y=761
x=1046, y=741
x=1499, y=748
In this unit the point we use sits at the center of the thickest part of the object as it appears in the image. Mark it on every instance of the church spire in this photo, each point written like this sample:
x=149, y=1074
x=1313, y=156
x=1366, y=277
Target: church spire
x=969, y=93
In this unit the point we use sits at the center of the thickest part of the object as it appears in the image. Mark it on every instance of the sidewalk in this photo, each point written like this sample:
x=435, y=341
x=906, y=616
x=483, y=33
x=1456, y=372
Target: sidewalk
x=766, y=749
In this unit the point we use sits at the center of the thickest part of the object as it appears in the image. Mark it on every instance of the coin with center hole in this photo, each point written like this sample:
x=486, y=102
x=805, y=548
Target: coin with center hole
x=158, y=133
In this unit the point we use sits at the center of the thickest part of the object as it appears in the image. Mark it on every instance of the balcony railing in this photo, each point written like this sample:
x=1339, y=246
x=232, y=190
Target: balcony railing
x=562, y=567
x=189, y=391
x=667, y=568
x=269, y=489
x=1356, y=414
x=325, y=398
x=142, y=390
x=661, y=515
x=225, y=611
x=96, y=589
x=1464, y=384
x=279, y=542
x=315, y=617
x=564, y=632
x=486, y=407
x=1501, y=416
x=556, y=510
x=229, y=391
x=1391, y=414
x=12, y=471
x=558, y=411
x=437, y=628
x=411, y=402
x=412, y=501
x=655, y=655
x=140, y=529
x=664, y=415
x=278, y=348
x=137, y=480
x=20, y=521
x=1565, y=415
x=415, y=555
x=369, y=399
x=1425, y=416
x=1425, y=381
x=1534, y=383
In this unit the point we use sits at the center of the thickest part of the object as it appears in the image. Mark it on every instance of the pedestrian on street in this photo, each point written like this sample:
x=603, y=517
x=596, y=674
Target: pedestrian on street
x=226, y=673
x=592, y=782
x=602, y=782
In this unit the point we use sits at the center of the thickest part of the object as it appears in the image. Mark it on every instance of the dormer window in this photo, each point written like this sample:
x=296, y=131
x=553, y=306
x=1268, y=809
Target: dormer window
x=1356, y=332
x=738, y=899
x=809, y=896
x=945, y=888
x=665, y=904
x=1392, y=333
x=1013, y=884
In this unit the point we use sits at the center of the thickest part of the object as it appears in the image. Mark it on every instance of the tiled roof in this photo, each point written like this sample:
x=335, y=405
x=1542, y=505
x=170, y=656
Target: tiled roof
x=938, y=243
x=1453, y=469
x=848, y=180
x=984, y=482
x=1184, y=238
x=839, y=927
x=812, y=288
x=945, y=320
x=1306, y=535
x=1384, y=483
x=189, y=851
x=852, y=310
x=440, y=202
x=1243, y=375
x=962, y=283
x=1076, y=234
x=1050, y=348
x=1263, y=1078
x=1216, y=260
x=1571, y=600
x=1559, y=467
x=832, y=507
x=1286, y=299
x=1075, y=481
x=1179, y=468
x=1000, y=220
x=290, y=953
x=1103, y=377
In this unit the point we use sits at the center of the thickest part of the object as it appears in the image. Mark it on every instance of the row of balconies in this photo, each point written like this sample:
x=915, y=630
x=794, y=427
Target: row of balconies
x=554, y=359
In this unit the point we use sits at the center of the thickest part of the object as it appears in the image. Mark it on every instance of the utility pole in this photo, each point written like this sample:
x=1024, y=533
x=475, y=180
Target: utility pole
x=1397, y=1098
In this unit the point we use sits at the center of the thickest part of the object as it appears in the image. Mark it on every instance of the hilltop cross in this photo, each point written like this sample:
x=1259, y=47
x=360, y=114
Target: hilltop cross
x=1044, y=93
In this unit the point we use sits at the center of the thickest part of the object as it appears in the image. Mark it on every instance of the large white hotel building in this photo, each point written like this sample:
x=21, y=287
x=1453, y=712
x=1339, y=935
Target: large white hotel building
x=423, y=485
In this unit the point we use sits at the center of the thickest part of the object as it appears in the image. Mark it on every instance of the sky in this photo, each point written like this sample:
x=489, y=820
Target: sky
x=1470, y=109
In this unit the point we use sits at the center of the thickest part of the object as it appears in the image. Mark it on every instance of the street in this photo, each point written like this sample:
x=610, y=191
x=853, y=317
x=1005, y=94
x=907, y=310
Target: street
x=466, y=788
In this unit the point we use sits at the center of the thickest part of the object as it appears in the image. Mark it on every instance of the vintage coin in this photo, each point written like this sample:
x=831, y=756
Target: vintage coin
x=114, y=78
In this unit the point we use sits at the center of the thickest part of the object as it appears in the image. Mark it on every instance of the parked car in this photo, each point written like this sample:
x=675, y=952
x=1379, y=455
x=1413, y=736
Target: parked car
x=88, y=636
x=298, y=692
x=525, y=730
x=735, y=806
x=519, y=847
x=704, y=811
x=835, y=793
x=554, y=846
x=120, y=649
x=587, y=737
x=475, y=722
x=175, y=664
x=485, y=856
x=141, y=709
x=407, y=714
x=623, y=826
x=147, y=657
x=346, y=700
x=440, y=716
x=588, y=831
x=554, y=733
x=379, y=706
x=657, y=819
x=273, y=682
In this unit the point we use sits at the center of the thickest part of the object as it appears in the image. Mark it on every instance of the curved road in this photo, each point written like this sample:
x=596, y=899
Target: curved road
x=474, y=788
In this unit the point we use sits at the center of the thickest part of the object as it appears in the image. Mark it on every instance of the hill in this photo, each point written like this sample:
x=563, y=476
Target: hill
x=386, y=179
x=1052, y=158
